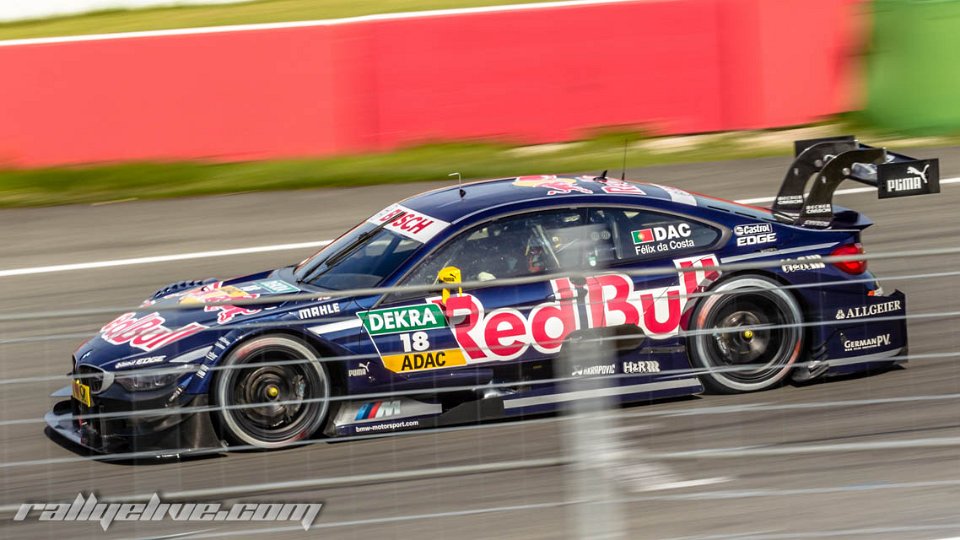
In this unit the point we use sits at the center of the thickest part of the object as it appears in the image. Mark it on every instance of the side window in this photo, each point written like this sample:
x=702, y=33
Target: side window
x=642, y=234
x=515, y=246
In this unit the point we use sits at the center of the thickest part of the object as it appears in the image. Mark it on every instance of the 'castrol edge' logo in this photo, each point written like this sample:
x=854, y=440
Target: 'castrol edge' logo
x=506, y=333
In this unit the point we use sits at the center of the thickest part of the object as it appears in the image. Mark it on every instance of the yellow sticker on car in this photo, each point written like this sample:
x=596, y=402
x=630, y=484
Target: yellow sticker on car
x=81, y=393
x=421, y=361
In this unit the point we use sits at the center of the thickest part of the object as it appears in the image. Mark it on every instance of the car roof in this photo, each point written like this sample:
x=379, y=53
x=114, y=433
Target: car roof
x=447, y=204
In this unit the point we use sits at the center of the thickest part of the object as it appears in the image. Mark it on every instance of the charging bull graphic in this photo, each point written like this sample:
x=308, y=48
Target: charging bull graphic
x=554, y=185
x=217, y=292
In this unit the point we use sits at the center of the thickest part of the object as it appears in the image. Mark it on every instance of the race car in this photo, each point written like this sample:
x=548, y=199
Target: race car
x=467, y=303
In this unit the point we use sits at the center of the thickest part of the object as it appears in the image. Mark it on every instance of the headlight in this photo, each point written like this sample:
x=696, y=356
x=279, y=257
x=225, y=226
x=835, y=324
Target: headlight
x=152, y=379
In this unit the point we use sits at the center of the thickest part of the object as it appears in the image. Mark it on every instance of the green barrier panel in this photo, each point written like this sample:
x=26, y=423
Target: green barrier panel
x=913, y=73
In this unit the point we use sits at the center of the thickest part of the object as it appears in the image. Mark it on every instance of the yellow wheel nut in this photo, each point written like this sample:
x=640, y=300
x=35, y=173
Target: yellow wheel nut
x=748, y=334
x=273, y=391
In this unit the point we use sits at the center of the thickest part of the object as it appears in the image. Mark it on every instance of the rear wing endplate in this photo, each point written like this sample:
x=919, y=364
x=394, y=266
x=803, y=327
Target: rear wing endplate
x=830, y=161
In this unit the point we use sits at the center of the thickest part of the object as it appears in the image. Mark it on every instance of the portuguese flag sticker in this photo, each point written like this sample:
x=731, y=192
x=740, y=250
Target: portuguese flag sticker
x=642, y=236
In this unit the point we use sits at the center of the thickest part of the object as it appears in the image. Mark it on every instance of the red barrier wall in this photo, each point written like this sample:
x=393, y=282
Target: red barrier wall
x=540, y=75
x=788, y=62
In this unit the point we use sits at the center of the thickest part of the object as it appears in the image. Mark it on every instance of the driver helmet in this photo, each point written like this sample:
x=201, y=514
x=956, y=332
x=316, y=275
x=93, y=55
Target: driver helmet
x=536, y=255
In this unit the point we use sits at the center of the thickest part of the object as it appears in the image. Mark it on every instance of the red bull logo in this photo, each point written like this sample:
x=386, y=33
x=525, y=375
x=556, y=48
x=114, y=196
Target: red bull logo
x=552, y=184
x=613, y=185
x=147, y=333
x=216, y=292
x=611, y=300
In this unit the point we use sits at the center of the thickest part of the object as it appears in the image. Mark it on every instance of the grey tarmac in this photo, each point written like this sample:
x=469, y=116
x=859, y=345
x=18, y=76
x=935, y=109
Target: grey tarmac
x=911, y=492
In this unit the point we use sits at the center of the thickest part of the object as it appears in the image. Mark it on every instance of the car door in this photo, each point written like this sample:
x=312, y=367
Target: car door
x=486, y=323
x=658, y=263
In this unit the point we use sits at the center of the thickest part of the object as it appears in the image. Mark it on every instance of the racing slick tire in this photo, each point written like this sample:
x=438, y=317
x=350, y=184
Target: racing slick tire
x=286, y=376
x=746, y=357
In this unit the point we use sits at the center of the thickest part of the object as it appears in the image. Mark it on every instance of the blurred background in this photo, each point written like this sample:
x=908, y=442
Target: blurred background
x=196, y=99
x=146, y=141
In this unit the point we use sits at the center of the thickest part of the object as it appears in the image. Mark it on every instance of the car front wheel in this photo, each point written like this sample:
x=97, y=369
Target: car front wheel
x=271, y=392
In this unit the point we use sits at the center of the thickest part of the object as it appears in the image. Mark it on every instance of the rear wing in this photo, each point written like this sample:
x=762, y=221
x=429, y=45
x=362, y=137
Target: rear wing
x=830, y=161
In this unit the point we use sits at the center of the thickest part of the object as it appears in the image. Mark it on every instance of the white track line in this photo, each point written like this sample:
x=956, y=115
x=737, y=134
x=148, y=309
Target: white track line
x=683, y=484
x=305, y=24
x=159, y=258
x=867, y=189
x=285, y=247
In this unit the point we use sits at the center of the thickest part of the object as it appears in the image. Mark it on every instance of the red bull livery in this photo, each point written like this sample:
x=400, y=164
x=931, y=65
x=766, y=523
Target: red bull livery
x=488, y=300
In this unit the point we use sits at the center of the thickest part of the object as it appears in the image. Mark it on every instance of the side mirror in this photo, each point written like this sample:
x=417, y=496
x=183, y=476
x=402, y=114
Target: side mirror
x=449, y=275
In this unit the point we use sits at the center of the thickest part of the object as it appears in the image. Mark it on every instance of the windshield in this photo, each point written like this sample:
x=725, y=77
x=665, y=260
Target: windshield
x=361, y=258
x=345, y=240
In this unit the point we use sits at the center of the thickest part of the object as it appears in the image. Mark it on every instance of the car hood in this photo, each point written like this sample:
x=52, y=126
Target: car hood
x=181, y=322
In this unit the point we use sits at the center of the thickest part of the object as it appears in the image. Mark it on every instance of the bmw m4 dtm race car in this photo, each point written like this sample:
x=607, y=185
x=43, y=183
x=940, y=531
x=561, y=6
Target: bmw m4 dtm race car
x=454, y=306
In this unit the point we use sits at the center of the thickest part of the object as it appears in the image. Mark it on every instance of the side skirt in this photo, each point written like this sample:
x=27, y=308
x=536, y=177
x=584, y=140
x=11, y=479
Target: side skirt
x=402, y=413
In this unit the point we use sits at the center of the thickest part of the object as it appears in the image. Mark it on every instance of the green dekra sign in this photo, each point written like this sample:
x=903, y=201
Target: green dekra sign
x=402, y=319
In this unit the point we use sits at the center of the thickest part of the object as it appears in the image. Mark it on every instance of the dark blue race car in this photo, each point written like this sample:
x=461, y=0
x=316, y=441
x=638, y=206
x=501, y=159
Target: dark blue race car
x=457, y=304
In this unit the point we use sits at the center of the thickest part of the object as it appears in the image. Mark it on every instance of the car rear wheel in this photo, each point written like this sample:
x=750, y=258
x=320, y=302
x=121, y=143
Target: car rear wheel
x=273, y=391
x=746, y=334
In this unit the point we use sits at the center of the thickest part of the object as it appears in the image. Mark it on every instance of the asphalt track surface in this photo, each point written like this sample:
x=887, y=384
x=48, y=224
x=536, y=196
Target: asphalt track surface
x=899, y=476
